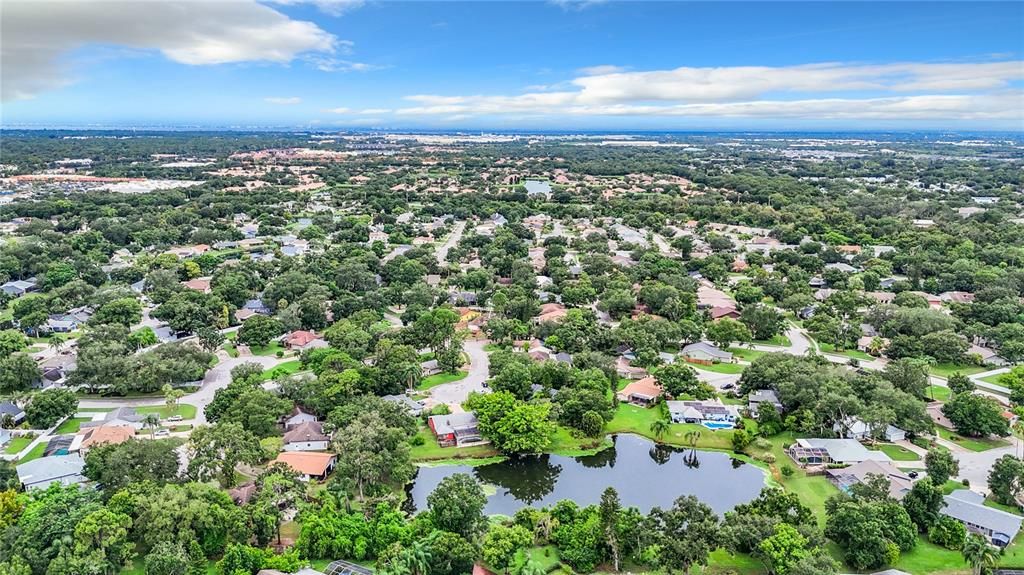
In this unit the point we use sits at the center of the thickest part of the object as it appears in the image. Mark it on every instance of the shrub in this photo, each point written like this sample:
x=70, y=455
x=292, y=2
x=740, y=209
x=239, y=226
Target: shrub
x=787, y=471
x=768, y=458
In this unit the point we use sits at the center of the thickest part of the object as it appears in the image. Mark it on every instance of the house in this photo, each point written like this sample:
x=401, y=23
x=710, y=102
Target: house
x=969, y=508
x=718, y=312
x=988, y=355
x=243, y=493
x=307, y=436
x=57, y=369
x=308, y=464
x=9, y=409
x=627, y=371
x=40, y=473
x=413, y=407
x=846, y=477
x=301, y=340
x=257, y=306
x=923, y=223
x=704, y=353
x=869, y=343
x=430, y=368
x=298, y=417
x=462, y=298
x=455, y=429
x=201, y=285
x=551, y=312
x=701, y=411
x=854, y=428
x=956, y=297
x=815, y=452
x=764, y=396
x=643, y=392
x=93, y=436
x=841, y=267
x=120, y=417
x=18, y=288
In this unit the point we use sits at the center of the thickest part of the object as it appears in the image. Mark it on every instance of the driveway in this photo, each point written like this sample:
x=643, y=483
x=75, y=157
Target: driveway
x=455, y=393
x=450, y=242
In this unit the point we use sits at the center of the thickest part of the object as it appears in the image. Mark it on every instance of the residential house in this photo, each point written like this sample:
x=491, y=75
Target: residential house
x=62, y=469
x=297, y=417
x=761, y=397
x=956, y=297
x=243, y=493
x=702, y=352
x=430, y=367
x=308, y=436
x=9, y=409
x=854, y=428
x=816, y=451
x=842, y=267
x=56, y=369
x=308, y=464
x=412, y=406
x=120, y=417
x=301, y=340
x=643, y=392
x=89, y=437
x=201, y=285
x=701, y=411
x=996, y=525
x=719, y=312
x=627, y=371
x=846, y=477
x=455, y=429
x=550, y=312
x=988, y=355
x=18, y=288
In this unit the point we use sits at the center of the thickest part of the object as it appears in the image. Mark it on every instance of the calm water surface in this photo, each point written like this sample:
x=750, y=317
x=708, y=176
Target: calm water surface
x=646, y=475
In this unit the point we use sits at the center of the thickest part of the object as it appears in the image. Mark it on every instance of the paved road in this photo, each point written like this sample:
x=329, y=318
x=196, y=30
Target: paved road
x=975, y=465
x=662, y=243
x=715, y=379
x=451, y=241
x=217, y=378
x=453, y=394
x=800, y=344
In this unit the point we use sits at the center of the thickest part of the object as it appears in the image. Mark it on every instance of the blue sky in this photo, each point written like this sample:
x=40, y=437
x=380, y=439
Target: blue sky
x=556, y=65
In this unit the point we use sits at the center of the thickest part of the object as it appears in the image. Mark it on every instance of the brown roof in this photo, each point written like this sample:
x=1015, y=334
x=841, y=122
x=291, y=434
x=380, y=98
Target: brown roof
x=307, y=431
x=243, y=493
x=306, y=462
x=107, y=434
x=722, y=311
x=647, y=387
x=301, y=338
x=198, y=284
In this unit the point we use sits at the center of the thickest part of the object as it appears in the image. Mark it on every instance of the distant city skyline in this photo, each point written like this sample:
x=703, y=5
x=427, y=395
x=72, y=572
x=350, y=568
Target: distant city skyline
x=561, y=65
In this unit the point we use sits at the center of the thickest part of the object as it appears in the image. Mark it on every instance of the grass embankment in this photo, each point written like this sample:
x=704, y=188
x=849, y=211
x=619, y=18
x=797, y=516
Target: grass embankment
x=746, y=354
x=971, y=443
x=938, y=393
x=35, y=453
x=897, y=453
x=185, y=410
x=730, y=368
x=854, y=353
x=286, y=368
x=948, y=369
x=440, y=379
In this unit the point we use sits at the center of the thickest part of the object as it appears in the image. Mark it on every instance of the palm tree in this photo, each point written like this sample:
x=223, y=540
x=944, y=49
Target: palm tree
x=56, y=342
x=659, y=427
x=417, y=558
x=979, y=554
x=152, y=421
x=531, y=567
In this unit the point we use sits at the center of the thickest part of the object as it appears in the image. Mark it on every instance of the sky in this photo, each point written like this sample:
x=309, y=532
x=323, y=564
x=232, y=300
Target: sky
x=491, y=65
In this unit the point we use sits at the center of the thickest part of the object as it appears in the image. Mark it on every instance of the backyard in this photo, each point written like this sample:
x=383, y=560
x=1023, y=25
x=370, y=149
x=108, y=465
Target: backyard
x=441, y=378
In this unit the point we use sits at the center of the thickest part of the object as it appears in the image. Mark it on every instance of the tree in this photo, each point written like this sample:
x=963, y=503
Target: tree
x=976, y=416
x=740, y=440
x=908, y=375
x=166, y=558
x=215, y=451
x=210, y=338
x=501, y=544
x=659, y=427
x=609, y=511
x=372, y=453
x=258, y=330
x=11, y=340
x=727, y=330
x=959, y=383
x=513, y=426
x=948, y=532
x=117, y=466
x=871, y=533
x=124, y=311
x=48, y=407
x=258, y=411
x=783, y=549
x=278, y=491
x=17, y=373
x=686, y=533
x=1006, y=479
x=923, y=503
x=764, y=322
x=680, y=380
x=102, y=537
x=515, y=379
x=457, y=504
x=979, y=554
x=941, y=465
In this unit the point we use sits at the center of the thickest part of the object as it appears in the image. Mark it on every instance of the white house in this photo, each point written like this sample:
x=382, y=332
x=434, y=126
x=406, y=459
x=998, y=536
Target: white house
x=307, y=436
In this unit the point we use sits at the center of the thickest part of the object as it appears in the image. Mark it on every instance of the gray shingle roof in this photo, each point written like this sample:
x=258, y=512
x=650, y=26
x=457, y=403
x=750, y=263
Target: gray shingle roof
x=968, y=506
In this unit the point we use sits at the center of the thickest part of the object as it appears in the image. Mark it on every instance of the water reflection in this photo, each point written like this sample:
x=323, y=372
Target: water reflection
x=645, y=474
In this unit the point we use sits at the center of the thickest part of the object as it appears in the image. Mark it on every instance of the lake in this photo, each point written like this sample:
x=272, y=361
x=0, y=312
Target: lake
x=645, y=474
x=537, y=187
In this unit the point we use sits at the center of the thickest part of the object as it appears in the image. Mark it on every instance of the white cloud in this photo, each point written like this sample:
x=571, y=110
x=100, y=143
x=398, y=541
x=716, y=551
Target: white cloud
x=972, y=91
x=329, y=64
x=599, y=70
x=36, y=36
x=283, y=101
x=332, y=7
x=375, y=111
x=576, y=4
x=338, y=110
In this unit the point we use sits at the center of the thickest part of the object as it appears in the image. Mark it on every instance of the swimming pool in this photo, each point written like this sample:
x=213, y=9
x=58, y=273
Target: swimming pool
x=717, y=424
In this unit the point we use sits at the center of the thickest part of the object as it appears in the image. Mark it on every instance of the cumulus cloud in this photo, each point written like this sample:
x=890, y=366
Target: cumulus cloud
x=332, y=7
x=375, y=111
x=329, y=64
x=984, y=90
x=338, y=110
x=37, y=37
x=283, y=101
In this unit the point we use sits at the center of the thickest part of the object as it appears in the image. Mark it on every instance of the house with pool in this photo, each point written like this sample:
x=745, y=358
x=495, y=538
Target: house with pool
x=710, y=414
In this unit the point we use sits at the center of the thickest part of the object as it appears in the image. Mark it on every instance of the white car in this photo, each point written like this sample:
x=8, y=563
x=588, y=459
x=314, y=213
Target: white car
x=162, y=433
x=174, y=418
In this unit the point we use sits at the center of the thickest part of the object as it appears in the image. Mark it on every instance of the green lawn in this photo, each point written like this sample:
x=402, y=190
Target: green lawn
x=745, y=353
x=897, y=453
x=930, y=559
x=938, y=392
x=633, y=419
x=566, y=443
x=70, y=426
x=272, y=349
x=854, y=353
x=16, y=444
x=779, y=340
x=185, y=410
x=995, y=379
x=720, y=367
x=972, y=443
x=441, y=378
x=36, y=452
x=948, y=369
x=431, y=451
x=286, y=368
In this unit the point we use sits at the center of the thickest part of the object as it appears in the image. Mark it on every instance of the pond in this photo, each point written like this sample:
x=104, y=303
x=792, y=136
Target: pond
x=645, y=474
x=537, y=187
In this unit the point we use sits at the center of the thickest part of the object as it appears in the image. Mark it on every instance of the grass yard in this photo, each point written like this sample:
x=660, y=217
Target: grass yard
x=745, y=353
x=1015, y=510
x=431, y=451
x=566, y=443
x=441, y=378
x=633, y=419
x=16, y=444
x=993, y=379
x=897, y=453
x=35, y=453
x=185, y=410
x=854, y=353
x=972, y=443
x=271, y=349
x=948, y=369
x=779, y=340
x=930, y=559
x=70, y=426
x=938, y=392
x=286, y=368
x=231, y=349
x=731, y=368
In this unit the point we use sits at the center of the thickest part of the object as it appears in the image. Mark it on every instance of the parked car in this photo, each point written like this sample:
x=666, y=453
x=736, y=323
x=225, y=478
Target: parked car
x=162, y=433
x=174, y=418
